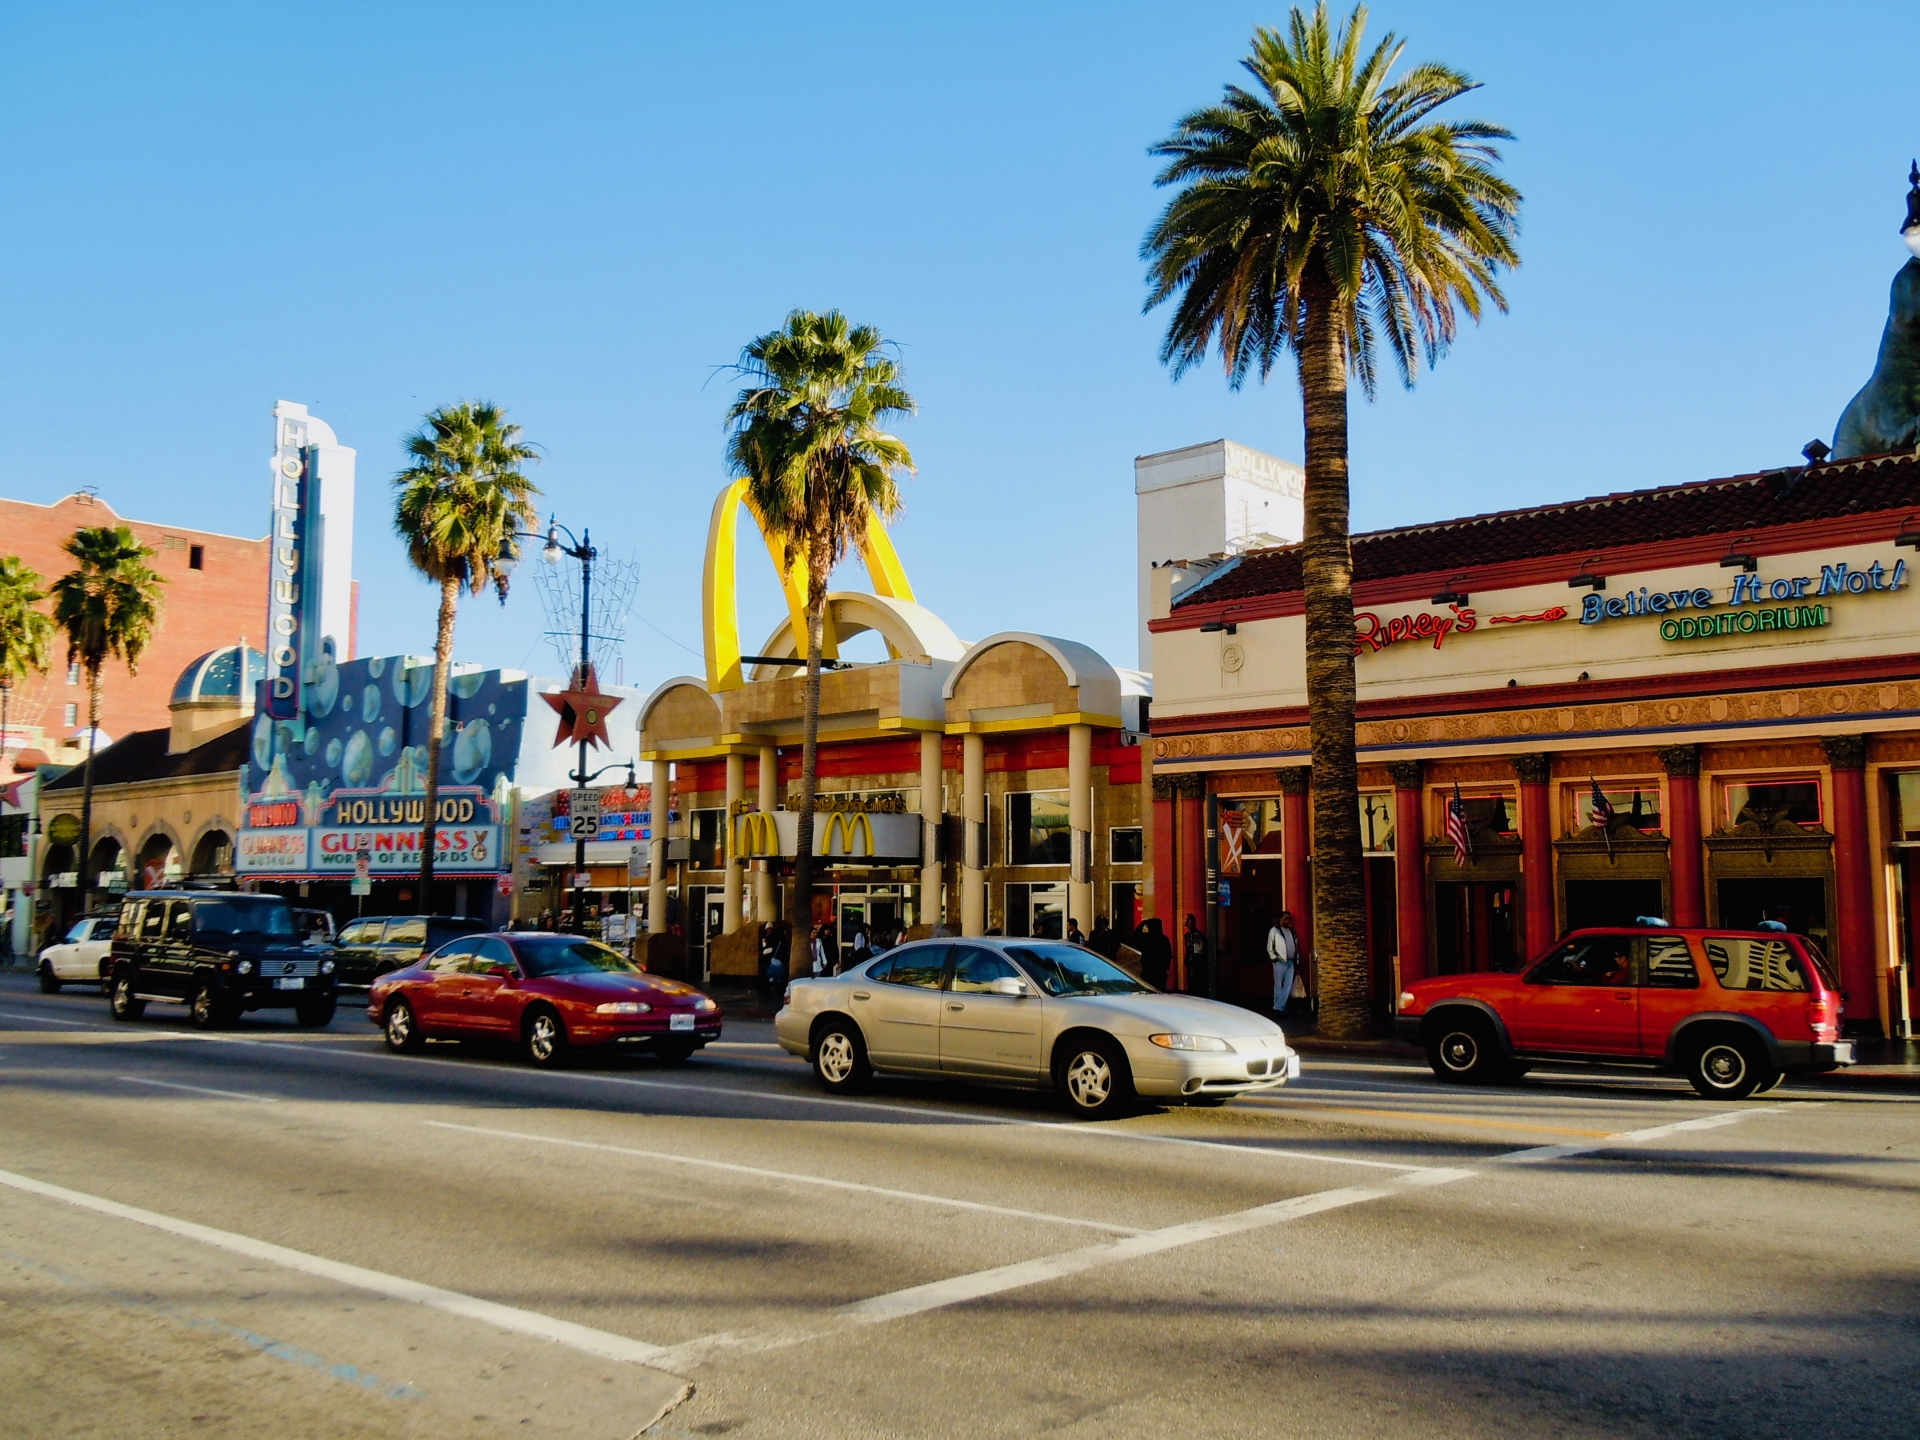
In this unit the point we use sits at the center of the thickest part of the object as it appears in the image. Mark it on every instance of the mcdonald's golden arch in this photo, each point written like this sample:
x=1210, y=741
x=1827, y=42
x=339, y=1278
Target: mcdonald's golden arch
x=856, y=825
x=754, y=834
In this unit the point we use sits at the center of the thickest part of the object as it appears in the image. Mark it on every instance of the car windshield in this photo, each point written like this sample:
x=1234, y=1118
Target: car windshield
x=1067, y=970
x=565, y=955
x=242, y=917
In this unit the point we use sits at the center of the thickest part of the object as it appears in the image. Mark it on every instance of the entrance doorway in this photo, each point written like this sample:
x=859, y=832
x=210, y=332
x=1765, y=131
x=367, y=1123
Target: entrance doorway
x=1474, y=927
x=1596, y=903
x=882, y=912
x=1037, y=911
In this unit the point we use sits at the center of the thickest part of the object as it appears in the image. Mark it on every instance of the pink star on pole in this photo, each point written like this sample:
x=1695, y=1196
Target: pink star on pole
x=583, y=711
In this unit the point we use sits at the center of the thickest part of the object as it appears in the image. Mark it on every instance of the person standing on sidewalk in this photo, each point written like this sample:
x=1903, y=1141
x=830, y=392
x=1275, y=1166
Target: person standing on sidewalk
x=1283, y=949
x=1194, y=944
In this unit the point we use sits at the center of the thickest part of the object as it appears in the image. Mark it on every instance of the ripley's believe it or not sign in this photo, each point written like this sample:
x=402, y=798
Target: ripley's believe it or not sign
x=1755, y=605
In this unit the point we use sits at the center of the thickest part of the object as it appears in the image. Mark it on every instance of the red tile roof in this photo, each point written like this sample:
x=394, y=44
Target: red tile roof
x=1583, y=527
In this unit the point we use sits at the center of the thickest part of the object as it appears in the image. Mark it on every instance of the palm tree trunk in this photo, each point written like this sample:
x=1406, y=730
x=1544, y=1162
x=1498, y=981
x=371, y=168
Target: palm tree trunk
x=817, y=569
x=442, y=662
x=1339, y=886
x=85, y=867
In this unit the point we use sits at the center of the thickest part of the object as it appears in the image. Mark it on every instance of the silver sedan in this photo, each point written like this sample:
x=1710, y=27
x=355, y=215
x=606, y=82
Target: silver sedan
x=1029, y=1012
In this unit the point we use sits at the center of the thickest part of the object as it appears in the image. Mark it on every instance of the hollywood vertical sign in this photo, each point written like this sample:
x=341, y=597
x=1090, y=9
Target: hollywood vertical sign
x=286, y=569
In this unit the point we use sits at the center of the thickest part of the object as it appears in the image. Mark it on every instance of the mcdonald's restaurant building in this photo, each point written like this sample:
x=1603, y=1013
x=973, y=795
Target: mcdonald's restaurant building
x=1700, y=702
x=994, y=785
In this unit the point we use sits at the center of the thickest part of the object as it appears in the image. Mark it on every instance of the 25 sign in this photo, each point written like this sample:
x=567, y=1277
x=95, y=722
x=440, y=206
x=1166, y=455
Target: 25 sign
x=583, y=815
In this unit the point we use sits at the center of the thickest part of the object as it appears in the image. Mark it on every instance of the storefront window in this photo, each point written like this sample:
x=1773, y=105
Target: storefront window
x=1767, y=805
x=1124, y=911
x=1633, y=802
x=1125, y=842
x=1376, y=823
x=1037, y=829
x=1492, y=814
x=704, y=851
x=1904, y=809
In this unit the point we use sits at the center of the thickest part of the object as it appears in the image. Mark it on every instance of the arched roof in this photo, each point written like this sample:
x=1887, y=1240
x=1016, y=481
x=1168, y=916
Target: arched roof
x=228, y=673
x=1095, y=683
x=679, y=711
x=912, y=631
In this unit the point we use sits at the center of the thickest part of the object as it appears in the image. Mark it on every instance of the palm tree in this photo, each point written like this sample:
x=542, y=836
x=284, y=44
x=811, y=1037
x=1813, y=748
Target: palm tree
x=461, y=506
x=26, y=632
x=807, y=436
x=107, y=605
x=1318, y=212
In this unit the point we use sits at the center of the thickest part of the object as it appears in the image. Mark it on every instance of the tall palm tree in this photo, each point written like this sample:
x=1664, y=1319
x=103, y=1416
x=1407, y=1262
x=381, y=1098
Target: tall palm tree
x=1321, y=211
x=107, y=605
x=461, y=506
x=26, y=633
x=808, y=437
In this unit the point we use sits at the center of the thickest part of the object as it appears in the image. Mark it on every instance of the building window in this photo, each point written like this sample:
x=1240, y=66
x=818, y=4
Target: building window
x=1376, y=823
x=1904, y=792
x=1766, y=806
x=1125, y=910
x=73, y=716
x=196, y=557
x=1037, y=828
x=1486, y=814
x=73, y=676
x=1124, y=845
x=704, y=851
x=1038, y=912
x=1635, y=802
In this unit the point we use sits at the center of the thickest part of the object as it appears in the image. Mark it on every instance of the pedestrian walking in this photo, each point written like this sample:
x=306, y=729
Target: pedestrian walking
x=1074, y=937
x=1103, y=940
x=1283, y=950
x=862, y=945
x=820, y=950
x=1194, y=945
x=1156, y=953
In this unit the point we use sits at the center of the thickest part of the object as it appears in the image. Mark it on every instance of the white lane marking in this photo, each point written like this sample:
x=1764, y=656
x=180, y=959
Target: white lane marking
x=748, y=1045
x=1638, y=1137
x=792, y=1178
x=48, y=1020
x=507, y=1317
x=201, y=1090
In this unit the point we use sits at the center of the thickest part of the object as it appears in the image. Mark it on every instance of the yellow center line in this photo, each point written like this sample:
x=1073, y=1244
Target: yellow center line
x=1436, y=1119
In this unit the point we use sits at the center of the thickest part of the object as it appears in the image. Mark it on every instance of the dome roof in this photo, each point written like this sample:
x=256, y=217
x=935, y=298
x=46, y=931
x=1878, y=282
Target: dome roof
x=228, y=673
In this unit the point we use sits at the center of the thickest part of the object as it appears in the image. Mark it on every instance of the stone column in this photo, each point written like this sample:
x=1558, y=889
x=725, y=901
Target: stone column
x=1536, y=851
x=736, y=796
x=765, y=892
x=1853, y=879
x=1686, y=867
x=1163, y=900
x=973, y=871
x=932, y=806
x=657, y=853
x=1080, y=825
x=1410, y=867
x=1191, y=827
x=1296, y=840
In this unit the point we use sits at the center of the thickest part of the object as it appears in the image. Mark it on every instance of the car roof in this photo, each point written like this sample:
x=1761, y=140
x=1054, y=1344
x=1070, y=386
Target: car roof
x=1678, y=930
x=202, y=895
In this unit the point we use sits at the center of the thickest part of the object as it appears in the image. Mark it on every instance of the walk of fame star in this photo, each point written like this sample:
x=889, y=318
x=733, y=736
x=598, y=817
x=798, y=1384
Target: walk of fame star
x=583, y=711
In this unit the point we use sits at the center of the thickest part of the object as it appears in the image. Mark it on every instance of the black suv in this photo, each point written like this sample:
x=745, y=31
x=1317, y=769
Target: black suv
x=371, y=946
x=220, y=953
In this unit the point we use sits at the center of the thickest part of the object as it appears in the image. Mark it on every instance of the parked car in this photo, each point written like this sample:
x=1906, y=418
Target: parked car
x=79, y=959
x=218, y=953
x=1030, y=1012
x=373, y=945
x=551, y=993
x=1735, y=1011
x=315, y=926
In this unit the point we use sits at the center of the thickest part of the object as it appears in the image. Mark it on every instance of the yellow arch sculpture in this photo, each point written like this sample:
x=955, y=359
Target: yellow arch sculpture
x=720, y=597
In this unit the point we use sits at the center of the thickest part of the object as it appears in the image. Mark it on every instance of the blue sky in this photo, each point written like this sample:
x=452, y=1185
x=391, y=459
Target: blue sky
x=583, y=212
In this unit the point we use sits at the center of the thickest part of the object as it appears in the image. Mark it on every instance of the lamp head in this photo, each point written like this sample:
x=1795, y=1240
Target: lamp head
x=508, y=558
x=553, y=551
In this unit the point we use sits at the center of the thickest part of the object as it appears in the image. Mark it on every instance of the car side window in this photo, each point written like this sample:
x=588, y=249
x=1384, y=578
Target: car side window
x=153, y=923
x=975, y=970
x=408, y=932
x=77, y=931
x=1670, y=965
x=179, y=921
x=452, y=958
x=880, y=969
x=1592, y=960
x=360, y=932
x=130, y=913
x=488, y=953
x=922, y=966
x=1742, y=964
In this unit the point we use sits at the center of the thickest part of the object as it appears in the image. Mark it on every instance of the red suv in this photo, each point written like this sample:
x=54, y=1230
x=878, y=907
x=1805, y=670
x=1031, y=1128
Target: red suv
x=1735, y=1011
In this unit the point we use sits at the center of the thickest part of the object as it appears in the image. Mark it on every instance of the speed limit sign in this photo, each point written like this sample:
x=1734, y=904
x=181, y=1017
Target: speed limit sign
x=583, y=815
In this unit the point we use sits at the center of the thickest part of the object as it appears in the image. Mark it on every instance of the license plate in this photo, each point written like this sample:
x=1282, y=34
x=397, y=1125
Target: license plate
x=679, y=1022
x=297, y=982
x=1293, y=1066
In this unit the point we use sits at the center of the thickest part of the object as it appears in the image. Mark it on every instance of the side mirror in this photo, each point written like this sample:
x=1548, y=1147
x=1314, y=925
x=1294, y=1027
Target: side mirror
x=502, y=972
x=1007, y=985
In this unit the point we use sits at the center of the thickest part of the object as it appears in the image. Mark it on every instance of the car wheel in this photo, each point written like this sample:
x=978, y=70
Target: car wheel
x=675, y=1052
x=1728, y=1067
x=49, y=982
x=1463, y=1051
x=315, y=1013
x=546, y=1039
x=1091, y=1074
x=840, y=1056
x=402, y=1029
x=123, y=1002
x=1779, y=1079
x=207, y=1011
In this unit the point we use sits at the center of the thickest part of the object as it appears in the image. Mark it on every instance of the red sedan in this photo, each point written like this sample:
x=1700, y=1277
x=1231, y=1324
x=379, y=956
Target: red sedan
x=549, y=992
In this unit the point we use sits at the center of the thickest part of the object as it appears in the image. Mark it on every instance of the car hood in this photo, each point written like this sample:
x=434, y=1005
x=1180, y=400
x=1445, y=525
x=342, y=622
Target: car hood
x=1180, y=1014
x=1484, y=984
x=609, y=985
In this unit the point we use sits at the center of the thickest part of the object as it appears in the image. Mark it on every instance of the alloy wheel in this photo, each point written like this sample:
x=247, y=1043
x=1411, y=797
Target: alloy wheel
x=399, y=1027
x=1723, y=1065
x=836, y=1057
x=1089, y=1079
x=543, y=1038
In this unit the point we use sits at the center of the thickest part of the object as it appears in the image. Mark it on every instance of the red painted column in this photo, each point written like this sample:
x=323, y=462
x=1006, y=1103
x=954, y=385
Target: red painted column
x=1853, y=880
x=1410, y=868
x=1191, y=825
x=1296, y=868
x=1686, y=871
x=1536, y=852
x=1166, y=880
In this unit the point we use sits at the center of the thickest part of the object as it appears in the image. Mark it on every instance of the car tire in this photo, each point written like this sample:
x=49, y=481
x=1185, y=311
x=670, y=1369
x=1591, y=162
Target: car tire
x=1463, y=1051
x=314, y=1014
x=1092, y=1076
x=840, y=1061
x=1728, y=1067
x=206, y=1009
x=1779, y=1079
x=675, y=1052
x=545, y=1038
x=122, y=1000
x=402, y=1028
x=49, y=982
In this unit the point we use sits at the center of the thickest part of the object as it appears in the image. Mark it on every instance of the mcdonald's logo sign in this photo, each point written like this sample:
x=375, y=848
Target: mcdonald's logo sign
x=854, y=826
x=754, y=833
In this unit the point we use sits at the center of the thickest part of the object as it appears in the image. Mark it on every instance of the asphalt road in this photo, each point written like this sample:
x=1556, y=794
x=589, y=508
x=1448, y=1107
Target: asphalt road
x=266, y=1231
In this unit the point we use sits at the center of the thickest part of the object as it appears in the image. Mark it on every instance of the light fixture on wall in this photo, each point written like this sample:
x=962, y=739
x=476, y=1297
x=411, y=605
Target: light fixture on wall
x=1455, y=593
x=1589, y=577
x=1739, y=559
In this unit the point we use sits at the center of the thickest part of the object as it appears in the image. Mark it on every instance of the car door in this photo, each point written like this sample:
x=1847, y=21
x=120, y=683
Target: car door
x=1669, y=977
x=900, y=1015
x=169, y=967
x=437, y=995
x=355, y=945
x=1580, y=999
x=65, y=958
x=984, y=1034
x=486, y=1000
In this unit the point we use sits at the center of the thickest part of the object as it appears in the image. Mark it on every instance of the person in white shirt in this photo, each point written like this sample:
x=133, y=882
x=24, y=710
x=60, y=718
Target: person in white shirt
x=820, y=950
x=1283, y=949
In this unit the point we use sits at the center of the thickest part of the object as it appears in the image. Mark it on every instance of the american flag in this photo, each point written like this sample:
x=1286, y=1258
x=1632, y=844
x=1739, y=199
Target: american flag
x=1602, y=807
x=1457, y=828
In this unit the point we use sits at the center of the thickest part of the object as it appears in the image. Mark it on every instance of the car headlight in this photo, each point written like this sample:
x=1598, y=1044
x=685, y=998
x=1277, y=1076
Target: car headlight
x=1407, y=1002
x=703, y=1003
x=245, y=967
x=1188, y=1042
x=326, y=967
x=623, y=1007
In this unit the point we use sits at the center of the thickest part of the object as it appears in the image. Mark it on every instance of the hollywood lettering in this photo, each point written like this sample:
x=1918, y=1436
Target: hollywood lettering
x=275, y=813
x=455, y=811
x=1375, y=634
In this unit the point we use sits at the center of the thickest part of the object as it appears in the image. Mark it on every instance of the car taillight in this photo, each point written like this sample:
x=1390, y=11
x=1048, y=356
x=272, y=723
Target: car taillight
x=1818, y=1016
